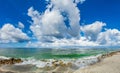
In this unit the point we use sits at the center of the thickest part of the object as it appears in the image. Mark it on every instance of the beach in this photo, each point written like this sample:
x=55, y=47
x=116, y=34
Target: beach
x=109, y=64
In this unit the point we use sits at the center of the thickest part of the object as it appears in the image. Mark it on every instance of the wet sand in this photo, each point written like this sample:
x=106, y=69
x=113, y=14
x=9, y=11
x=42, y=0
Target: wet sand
x=110, y=64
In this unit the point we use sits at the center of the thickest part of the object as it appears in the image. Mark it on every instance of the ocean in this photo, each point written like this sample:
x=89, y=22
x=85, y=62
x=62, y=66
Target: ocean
x=53, y=53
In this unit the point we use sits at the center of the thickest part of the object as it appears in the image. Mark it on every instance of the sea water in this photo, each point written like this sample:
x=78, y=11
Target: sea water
x=51, y=53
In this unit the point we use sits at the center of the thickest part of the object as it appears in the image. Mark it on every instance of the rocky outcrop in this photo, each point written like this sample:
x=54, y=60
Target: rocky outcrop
x=10, y=61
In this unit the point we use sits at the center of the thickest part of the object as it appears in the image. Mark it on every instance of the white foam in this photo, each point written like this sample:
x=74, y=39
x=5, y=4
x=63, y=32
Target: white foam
x=80, y=63
x=3, y=57
x=37, y=63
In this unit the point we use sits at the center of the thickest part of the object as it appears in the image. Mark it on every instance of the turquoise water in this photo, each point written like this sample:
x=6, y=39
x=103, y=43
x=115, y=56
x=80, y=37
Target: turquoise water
x=51, y=53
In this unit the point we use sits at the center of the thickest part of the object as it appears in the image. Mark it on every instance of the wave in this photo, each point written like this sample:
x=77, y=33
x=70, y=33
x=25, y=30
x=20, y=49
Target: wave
x=79, y=63
x=3, y=57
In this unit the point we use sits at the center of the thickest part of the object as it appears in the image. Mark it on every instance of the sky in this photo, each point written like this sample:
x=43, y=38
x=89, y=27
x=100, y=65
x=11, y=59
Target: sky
x=54, y=23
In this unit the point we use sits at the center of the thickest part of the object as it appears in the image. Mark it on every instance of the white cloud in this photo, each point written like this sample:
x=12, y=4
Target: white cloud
x=35, y=15
x=79, y=1
x=50, y=26
x=76, y=1
x=72, y=12
x=91, y=31
x=8, y=33
x=109, y=37
x=51, y=23
x=21, y=25
x=63, y=43
x=46, y=26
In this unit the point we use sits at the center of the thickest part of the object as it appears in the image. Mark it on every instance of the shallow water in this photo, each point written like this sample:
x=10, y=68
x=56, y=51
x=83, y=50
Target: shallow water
x=45, y=53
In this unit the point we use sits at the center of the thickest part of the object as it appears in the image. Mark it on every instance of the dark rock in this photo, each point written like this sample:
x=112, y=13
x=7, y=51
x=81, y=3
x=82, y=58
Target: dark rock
x=10, y=61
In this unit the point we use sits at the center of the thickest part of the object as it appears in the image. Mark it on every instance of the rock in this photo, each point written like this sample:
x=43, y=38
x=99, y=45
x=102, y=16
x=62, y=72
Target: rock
x=10, y=61
x=55, y=61
x=55, y=65
x=44, y=60
x=61, y=63
x=69, y=64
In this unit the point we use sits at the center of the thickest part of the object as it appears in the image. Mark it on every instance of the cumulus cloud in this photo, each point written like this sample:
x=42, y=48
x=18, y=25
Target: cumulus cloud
x=8, y=33
x=91, y=31
x=72, y=12
x=79, y=1
x=51, y=26
x=59, y=26
x=21, y=25
x=51, y=23
x=64, y=43
x=110, y=37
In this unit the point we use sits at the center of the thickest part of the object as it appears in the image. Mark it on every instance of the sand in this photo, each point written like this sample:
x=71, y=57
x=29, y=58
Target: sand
x=107, y=65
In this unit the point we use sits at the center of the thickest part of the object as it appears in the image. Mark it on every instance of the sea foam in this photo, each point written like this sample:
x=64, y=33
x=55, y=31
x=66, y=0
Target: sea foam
x=80, y=63
x=3, y=57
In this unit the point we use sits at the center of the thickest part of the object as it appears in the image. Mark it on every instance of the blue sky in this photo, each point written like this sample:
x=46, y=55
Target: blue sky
x=102, y=10
x=14, y=11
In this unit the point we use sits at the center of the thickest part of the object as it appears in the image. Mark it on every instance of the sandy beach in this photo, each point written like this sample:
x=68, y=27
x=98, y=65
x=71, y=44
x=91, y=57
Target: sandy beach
x=110, y=64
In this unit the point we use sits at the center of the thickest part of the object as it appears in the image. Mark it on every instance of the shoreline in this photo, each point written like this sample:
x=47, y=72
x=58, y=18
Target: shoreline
x=109, y=63
x=54, y=66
